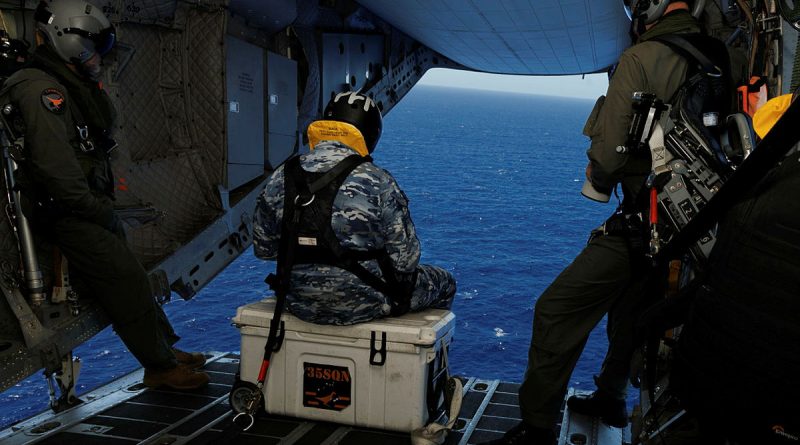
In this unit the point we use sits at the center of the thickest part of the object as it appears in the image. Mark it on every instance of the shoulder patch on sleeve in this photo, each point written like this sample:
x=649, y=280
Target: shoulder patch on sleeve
x=53, y=100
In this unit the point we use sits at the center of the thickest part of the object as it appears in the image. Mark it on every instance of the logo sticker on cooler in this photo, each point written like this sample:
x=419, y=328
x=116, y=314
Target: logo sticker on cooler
x=326, y=386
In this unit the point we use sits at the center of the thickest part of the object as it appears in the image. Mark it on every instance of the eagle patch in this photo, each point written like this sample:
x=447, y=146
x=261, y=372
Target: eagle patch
x=53, y=100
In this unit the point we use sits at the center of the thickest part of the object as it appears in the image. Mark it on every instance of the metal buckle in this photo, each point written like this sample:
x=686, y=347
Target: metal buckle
x=83, y=132
x=87, y=146
x=296, y=198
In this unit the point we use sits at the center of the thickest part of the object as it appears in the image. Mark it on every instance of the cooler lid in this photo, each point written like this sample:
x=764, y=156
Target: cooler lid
x=419, y=328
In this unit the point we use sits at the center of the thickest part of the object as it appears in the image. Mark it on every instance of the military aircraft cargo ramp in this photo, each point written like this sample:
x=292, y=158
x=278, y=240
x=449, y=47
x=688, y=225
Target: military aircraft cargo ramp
x=125, y=412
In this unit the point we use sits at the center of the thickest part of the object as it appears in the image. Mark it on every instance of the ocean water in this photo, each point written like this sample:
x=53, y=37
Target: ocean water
x=493, y=181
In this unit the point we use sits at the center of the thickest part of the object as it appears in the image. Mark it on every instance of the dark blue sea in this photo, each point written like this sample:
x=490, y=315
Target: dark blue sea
x=493, y=181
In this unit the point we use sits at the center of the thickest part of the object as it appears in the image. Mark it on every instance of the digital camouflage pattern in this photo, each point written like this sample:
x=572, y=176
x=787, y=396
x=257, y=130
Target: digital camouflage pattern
x=369, y=212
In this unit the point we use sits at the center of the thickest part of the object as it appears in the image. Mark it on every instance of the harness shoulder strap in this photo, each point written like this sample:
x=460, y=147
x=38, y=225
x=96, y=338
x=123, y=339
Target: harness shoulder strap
x=684, y=47
x=343, y=168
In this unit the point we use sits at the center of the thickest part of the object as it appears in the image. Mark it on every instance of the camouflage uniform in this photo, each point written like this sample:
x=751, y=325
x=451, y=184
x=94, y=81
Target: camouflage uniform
x=369, y=212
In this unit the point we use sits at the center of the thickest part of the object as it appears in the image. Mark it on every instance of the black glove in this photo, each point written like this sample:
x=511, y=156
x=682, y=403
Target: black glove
x=116, y=226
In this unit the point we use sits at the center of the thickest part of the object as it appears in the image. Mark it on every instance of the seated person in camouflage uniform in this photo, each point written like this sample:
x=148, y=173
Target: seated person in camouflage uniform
x=357, y=252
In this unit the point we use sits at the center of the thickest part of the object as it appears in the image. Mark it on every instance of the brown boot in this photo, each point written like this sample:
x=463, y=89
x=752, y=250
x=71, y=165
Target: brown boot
x=191, y=359
x=179, y=377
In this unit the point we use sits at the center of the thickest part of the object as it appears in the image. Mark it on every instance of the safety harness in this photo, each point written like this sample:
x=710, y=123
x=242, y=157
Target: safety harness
x=687, y=139
x=307, y=229
x=683, y=138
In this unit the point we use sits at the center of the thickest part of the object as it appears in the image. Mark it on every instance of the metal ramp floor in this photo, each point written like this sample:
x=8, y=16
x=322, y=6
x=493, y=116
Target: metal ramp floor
x=124, y=412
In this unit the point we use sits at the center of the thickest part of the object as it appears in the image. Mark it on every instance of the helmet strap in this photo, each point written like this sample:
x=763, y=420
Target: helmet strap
x=638, y=27
x=41, y=14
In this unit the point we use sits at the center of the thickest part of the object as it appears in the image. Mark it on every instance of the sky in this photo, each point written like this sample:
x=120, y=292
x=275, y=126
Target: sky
x=589, y=87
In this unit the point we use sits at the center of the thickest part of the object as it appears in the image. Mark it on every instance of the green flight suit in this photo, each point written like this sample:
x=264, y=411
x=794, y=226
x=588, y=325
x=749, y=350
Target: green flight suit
x=69, y=190
x=603, y=278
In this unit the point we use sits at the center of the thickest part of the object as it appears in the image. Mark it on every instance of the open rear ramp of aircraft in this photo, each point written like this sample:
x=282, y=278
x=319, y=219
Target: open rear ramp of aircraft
x=212, y=96
x=124, y=412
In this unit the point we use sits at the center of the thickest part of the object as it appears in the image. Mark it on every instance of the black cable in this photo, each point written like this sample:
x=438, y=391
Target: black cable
x=24, y=25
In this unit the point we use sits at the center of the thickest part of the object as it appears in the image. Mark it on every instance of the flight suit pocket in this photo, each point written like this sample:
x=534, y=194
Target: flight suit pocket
x=590, y=127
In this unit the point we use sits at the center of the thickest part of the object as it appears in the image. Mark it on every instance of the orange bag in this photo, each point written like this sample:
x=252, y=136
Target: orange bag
x=752, y=96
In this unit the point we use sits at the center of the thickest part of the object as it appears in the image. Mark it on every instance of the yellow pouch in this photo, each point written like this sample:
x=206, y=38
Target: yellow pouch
x=343, y=132
x=769, y=113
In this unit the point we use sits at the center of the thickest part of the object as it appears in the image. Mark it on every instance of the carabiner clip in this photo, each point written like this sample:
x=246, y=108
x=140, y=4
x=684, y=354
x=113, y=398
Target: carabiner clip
x=252, y=420
x=296, y=198
x=83, y=132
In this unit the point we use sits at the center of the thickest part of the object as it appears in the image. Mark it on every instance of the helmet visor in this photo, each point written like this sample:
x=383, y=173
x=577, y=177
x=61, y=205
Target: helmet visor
x=103, y=41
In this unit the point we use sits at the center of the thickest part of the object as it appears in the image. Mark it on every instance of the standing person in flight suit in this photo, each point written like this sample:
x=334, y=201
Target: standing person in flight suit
x=607, y=276
x=67, y=182
x=359, y=260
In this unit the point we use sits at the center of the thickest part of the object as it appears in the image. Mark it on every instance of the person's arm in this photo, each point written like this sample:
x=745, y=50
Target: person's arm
x=268, y=217
x=610, y=130
x=52, y=158
x=400, y=236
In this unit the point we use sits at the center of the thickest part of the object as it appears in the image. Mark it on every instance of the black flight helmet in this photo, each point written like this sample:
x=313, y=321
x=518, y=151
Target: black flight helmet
x=359, y=111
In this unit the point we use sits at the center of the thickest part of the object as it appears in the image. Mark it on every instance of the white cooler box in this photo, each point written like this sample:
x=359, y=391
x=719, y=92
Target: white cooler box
x=384, y=374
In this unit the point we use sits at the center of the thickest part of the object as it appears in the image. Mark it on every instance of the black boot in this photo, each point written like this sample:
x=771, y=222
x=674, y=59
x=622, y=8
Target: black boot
x=600, y=404
x=523, y=434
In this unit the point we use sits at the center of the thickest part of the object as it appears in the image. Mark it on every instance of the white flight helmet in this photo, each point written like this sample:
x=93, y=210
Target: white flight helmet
x=649, y=11
x=75, y=29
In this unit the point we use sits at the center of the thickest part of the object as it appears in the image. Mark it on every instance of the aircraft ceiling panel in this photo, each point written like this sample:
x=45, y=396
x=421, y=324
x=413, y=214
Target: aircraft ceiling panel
x=515, y=36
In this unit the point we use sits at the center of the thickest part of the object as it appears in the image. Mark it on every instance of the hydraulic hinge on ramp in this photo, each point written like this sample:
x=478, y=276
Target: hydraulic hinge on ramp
x=577, y=429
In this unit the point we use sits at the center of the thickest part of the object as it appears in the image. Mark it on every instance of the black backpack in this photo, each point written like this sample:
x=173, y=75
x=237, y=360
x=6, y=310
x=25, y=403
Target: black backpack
x=705, y=101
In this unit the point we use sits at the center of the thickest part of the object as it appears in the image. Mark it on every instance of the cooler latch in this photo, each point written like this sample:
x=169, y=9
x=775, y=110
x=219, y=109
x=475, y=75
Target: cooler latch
x=373, y=351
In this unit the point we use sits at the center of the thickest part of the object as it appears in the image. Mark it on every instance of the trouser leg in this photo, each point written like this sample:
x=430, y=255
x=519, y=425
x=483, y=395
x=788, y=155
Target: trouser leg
x=564, y=316
x=622, y=342
x=166, y=327
x=119, y=284
x=435, y=288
